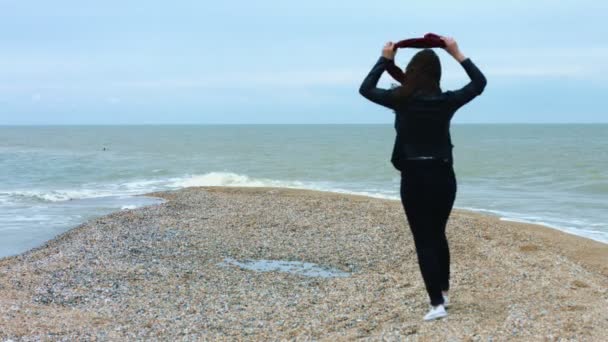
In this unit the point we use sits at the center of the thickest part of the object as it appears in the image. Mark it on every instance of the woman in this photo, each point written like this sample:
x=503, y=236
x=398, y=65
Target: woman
x=423, y=154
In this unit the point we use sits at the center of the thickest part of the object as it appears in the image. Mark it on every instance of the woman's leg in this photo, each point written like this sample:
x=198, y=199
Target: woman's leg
x=447, y=195
x=444, y=264
x=419, y=198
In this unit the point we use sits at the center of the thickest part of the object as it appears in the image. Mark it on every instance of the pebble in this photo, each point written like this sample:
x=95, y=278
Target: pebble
x=158, y=273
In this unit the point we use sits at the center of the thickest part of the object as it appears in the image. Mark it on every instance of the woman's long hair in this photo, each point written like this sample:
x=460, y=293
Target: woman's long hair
x=422, y=75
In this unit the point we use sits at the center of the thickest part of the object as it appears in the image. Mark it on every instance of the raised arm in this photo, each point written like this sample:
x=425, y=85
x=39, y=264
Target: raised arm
x=395, y=71
x=478, y=81
x=369, y=89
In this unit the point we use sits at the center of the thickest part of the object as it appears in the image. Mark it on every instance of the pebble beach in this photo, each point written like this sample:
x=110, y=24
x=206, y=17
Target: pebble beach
x=333, y=267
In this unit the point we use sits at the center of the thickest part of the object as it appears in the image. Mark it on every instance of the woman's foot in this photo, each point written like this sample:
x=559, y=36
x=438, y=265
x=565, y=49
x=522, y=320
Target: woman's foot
x=446, y=299
x=435, y=312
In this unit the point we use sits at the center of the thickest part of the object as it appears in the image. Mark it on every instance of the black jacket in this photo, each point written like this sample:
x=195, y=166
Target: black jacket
x=422, y=122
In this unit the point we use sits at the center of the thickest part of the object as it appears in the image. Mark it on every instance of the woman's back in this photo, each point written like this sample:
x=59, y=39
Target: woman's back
x=422, y=122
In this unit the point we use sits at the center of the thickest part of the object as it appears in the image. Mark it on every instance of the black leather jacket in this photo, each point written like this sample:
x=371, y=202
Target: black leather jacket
x=422, y=122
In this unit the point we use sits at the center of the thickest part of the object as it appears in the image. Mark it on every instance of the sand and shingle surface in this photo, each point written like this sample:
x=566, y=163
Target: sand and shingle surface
x=158, y=273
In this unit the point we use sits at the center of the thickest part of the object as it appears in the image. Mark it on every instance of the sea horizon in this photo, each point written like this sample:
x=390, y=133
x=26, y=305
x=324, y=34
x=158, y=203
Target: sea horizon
x=292, y=124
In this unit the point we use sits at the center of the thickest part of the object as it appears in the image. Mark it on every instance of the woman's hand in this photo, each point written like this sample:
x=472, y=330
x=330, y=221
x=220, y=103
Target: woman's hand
x=452, y=48
x=388, y=51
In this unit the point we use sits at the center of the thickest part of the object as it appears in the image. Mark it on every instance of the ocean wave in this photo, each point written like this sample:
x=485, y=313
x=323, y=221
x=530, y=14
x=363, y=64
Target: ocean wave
x=90, y=190
x=61, y=195
x=55, y=195
x=231, y=179
x=142, y=186
x=239, y=180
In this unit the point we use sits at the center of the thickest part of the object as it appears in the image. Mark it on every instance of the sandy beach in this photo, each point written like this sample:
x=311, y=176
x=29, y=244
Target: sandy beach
x=171, y=272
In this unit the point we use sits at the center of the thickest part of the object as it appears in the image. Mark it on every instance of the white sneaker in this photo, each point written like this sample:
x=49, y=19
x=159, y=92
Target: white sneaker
x=446, y=301
x=435, y=312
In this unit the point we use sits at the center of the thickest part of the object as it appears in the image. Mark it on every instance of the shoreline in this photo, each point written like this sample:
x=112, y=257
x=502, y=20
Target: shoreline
x=544, y=229
x=481, y=212
x=156, y=272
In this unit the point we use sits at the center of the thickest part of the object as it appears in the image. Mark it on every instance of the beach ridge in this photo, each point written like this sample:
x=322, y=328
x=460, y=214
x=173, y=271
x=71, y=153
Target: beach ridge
x=160, y=272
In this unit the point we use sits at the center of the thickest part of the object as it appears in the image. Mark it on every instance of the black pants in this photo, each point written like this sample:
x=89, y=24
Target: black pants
x=428, y=191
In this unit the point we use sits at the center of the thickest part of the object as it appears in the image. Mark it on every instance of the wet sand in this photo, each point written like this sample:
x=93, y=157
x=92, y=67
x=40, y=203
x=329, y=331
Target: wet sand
x=176, y=271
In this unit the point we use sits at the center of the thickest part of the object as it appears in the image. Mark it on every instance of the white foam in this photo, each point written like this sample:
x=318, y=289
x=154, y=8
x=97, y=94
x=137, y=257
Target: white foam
x=564, y=226
x=510, y=219
x=237, y=180
x=91, y=190
x=142, y=185
x=230, y=179
x=58, y=195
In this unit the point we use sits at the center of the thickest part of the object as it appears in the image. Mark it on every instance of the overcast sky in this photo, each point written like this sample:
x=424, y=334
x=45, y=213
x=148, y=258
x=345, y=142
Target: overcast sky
x=279, y=61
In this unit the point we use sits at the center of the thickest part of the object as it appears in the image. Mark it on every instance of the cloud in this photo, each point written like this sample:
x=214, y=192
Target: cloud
x=19, y=74
x=538, y=71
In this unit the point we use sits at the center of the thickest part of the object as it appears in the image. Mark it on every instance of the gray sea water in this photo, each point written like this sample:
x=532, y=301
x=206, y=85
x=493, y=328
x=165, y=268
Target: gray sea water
x=54, y=178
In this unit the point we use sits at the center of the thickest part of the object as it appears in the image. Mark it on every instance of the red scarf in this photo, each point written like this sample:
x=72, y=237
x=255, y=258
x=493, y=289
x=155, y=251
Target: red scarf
x=430, y=40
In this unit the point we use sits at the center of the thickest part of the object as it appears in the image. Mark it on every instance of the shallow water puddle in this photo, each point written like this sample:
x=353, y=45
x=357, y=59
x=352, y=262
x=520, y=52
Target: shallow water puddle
x=306, y=269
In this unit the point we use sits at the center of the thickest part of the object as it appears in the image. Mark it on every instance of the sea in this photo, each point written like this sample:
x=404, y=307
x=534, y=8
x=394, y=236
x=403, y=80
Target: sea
x=53, y=178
